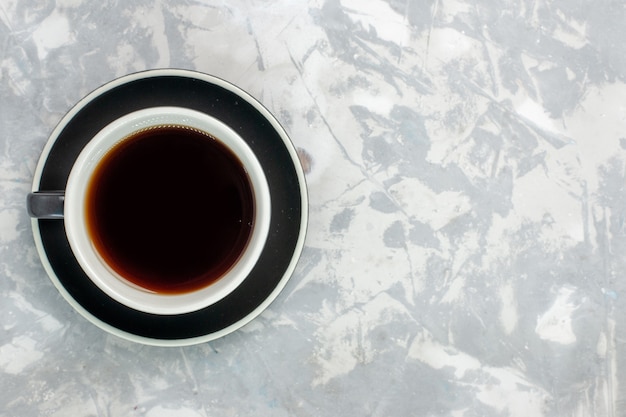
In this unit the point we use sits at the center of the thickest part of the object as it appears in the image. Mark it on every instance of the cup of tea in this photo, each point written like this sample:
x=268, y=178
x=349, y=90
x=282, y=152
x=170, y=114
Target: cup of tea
x=168, y=208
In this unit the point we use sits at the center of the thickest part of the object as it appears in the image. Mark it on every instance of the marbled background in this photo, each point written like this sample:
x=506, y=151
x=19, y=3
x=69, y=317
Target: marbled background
x=467, y=208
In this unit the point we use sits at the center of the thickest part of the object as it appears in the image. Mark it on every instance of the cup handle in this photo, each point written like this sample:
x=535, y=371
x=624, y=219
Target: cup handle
x=45, y=204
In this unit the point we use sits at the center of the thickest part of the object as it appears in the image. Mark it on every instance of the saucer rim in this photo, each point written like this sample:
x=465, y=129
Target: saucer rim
x=302, y=229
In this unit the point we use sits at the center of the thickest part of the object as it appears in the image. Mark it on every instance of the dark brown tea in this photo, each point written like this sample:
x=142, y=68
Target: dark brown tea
x=170, y=209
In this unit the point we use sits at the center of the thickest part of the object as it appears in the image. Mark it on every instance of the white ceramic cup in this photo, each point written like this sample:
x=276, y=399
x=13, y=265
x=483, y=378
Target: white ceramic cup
x=74, y=212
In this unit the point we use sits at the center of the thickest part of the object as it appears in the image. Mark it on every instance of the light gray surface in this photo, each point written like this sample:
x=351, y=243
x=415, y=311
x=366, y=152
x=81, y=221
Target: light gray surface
x=467, y=219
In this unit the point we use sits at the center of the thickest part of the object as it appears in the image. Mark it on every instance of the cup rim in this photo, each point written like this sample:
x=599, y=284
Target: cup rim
x=111, y=282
